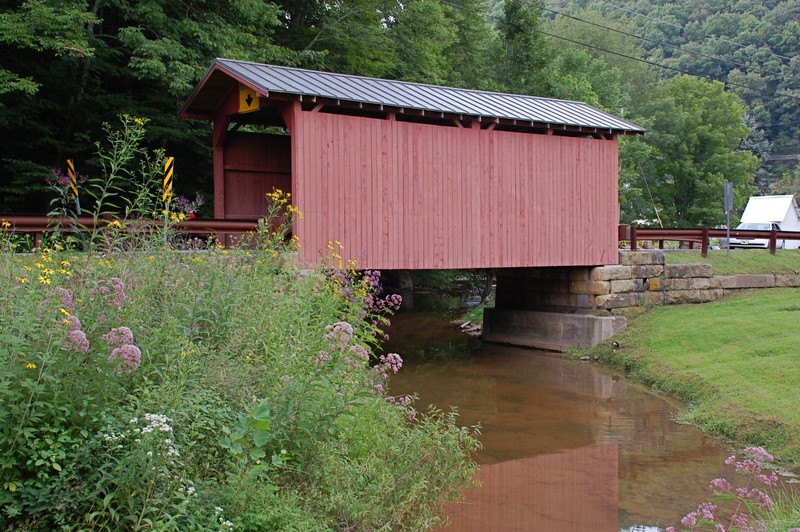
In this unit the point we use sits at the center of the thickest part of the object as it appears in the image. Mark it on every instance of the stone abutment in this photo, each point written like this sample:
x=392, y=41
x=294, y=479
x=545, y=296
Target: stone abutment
x=566, y=307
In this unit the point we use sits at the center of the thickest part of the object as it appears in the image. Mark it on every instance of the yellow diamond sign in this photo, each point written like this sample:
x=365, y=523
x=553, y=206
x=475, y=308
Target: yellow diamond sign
x=248, y=99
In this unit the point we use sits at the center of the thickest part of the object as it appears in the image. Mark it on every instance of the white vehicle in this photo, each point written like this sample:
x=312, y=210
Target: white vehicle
x=760, y=243
x=764, y=213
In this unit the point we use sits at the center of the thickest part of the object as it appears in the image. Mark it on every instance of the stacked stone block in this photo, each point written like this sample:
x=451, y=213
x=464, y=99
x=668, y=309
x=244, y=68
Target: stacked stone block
x=641, y=279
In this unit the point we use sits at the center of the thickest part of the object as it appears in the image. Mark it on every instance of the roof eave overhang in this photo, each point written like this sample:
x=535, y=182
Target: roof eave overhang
x=188, y=111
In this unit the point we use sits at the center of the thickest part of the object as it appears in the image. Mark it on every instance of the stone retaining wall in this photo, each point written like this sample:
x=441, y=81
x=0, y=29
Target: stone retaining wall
x=641, y=279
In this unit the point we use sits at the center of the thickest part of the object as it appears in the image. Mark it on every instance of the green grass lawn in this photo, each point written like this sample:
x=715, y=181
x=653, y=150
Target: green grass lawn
x=741, y=260
x=736, y=362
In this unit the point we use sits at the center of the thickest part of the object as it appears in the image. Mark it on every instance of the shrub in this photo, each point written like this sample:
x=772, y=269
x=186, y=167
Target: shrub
x=215, y=389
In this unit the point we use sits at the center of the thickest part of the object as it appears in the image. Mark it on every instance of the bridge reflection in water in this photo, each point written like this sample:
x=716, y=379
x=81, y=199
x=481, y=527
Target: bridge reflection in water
x=566, y=443
x=570, y=490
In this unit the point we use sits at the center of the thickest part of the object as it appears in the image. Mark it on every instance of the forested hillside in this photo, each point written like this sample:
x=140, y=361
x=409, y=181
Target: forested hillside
x=68, y=66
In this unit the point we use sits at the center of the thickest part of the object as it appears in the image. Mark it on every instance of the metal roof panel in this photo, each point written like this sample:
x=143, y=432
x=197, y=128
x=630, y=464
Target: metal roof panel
x=432, y=98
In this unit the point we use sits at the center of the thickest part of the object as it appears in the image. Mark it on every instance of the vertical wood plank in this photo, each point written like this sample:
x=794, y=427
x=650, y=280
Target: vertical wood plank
x=407, y=195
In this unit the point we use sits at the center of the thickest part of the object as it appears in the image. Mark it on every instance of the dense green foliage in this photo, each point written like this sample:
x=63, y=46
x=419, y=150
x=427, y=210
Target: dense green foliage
x=142, y=391
x=70, y=66
x=696, y=135
x=747, y=45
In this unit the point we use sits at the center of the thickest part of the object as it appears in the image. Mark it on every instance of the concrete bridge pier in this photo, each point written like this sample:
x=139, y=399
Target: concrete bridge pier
x=548, y=308
x=566, y=307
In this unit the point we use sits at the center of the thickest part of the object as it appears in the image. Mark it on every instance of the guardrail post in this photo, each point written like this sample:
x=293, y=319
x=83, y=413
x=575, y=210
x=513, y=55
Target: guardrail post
x=704, y=245
x=633, y=238
x=773, y=238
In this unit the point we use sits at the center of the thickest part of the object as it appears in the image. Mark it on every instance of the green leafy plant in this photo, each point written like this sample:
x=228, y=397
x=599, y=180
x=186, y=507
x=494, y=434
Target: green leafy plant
x=120, y=372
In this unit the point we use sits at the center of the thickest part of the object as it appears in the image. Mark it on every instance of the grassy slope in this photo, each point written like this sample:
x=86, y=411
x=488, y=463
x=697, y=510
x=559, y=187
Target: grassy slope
x=741, y=260
x=735, y=361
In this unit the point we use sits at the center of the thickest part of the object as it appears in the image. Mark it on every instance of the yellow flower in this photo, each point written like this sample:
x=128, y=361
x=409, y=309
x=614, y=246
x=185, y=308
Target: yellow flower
x=116, y=224
x=48, y=271
x=30, y=365
x=64, y=272
x=5, y=224
x=64, y=311
x=138, y=121
x=65, y=263
x=150, y=257
x=38, y=265
x=44, y=280
x=22, y=279
x=27, y=268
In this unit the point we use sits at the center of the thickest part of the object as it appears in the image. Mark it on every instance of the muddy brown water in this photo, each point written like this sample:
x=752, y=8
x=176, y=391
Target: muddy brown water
x=567, y=445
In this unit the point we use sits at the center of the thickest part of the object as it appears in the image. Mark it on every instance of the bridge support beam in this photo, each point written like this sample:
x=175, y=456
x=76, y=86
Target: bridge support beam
x=548, y=330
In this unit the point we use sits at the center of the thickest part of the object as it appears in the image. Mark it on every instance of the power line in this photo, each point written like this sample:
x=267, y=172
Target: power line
x=652, y=63
x=667, y=45
x=685, y=29
x=727, y=82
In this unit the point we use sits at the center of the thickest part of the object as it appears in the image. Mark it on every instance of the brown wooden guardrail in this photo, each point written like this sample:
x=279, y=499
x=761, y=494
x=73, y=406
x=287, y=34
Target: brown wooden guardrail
x=38, y=225
x=699, y=236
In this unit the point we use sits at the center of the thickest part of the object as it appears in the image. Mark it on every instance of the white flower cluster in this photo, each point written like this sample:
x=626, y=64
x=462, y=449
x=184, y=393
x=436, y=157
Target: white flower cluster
x=187, y=487
x=113, y=437
x=156, y=423
x=224, y=522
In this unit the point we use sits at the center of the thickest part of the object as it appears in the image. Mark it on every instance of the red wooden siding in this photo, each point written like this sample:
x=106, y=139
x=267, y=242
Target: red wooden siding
x=254, y=165
x=401, y=195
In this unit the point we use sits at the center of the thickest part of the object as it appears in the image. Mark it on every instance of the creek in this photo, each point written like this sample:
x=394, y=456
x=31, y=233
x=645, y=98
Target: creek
x=567, y=445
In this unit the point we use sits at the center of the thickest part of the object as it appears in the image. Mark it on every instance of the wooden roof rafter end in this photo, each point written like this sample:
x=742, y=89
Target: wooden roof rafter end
x=370, y=110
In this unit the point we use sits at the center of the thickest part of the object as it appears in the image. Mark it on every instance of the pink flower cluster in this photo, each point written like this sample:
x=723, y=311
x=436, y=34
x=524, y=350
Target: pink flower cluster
x=753, y=462
x=125, y=353
x=400, y=400
x=76, y=341
x=112, y=290
x=389, y=363
x=339, y=334
x=66, y=298
x=128, y=356
x=392, y=361
x=118, y=336
x=73, y=323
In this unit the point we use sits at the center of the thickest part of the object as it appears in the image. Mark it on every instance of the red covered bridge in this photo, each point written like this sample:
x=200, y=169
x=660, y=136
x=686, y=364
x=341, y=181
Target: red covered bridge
x=413, y=176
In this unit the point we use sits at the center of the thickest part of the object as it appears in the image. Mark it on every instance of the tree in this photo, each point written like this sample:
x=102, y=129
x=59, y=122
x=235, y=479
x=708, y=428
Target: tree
x=697, y=133
x=421, y=32
x=526, y=52
x=73, y=65
x=347, y=36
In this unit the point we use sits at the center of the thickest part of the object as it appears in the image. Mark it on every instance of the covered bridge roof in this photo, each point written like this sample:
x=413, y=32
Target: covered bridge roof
x=267, y=79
